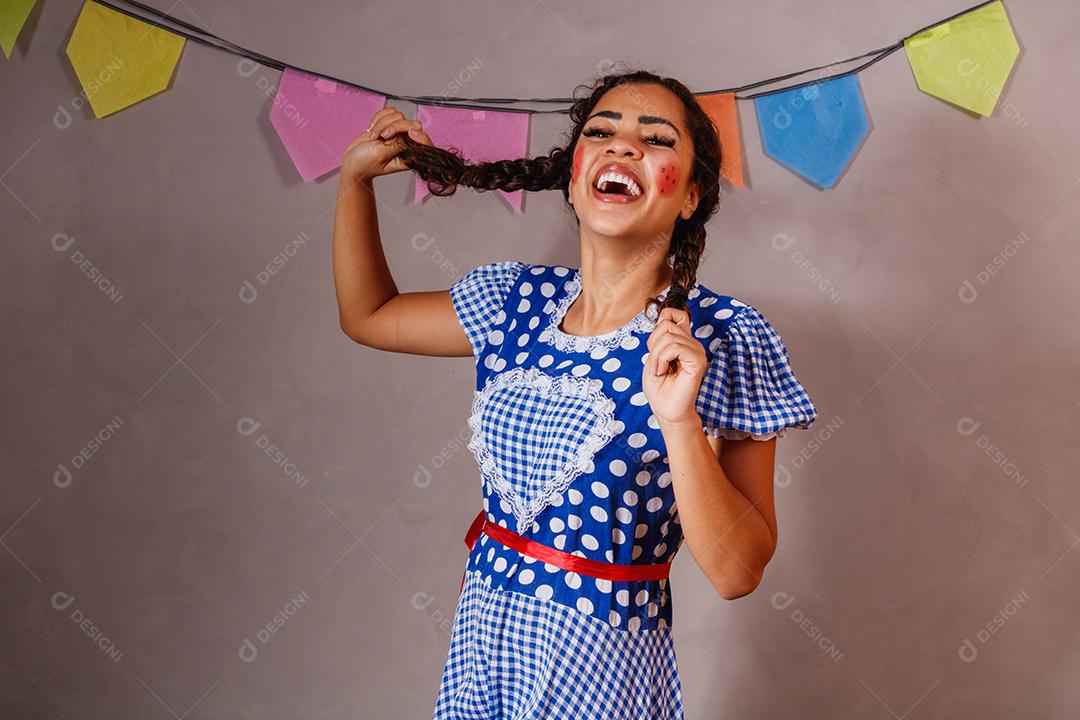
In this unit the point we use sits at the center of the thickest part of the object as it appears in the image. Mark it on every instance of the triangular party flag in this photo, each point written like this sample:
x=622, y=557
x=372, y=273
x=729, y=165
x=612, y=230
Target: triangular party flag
x=120, y=60
x=13, y=14
x=967, y=60
x=317, y=118
x=814, y=130
x=720, y=107
x=479, y=135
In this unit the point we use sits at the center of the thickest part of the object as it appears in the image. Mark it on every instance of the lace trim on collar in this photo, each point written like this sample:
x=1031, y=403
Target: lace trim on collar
x=587, y=343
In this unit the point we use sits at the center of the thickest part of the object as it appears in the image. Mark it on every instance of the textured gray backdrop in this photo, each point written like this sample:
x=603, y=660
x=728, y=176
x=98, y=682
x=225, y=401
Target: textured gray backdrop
x=216, y=506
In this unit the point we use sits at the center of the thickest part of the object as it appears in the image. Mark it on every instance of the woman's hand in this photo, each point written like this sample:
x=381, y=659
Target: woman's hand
x=673, y=394
x=375, y=151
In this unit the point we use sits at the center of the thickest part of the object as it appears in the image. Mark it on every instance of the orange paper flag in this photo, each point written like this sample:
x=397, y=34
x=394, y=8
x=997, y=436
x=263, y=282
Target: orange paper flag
x=720, y=107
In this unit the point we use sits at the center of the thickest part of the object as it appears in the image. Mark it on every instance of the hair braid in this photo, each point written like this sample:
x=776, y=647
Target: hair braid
x=443, y=169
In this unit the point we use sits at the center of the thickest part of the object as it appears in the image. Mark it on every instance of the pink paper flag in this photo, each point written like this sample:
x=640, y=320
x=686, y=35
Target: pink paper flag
x=317, y=118
x=479, y=135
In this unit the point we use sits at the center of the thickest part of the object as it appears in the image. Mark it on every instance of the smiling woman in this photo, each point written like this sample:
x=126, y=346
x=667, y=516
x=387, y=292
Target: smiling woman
x=621, y=408
x=673, y=145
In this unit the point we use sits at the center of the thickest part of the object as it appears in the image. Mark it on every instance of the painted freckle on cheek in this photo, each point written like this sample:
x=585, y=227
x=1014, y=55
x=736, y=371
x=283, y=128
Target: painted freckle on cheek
x=579, y=152
x=668, y=179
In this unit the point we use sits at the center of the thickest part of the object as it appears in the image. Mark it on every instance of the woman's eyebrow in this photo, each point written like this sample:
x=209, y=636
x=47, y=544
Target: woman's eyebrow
x=643, y=119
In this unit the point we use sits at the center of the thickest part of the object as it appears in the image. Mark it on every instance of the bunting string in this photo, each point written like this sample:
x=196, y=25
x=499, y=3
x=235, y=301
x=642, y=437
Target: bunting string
x=488, y=103
x=125, y=51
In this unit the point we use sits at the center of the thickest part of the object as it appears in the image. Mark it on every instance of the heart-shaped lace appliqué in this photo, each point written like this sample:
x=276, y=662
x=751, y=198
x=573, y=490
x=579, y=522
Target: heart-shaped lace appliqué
x=533, y=433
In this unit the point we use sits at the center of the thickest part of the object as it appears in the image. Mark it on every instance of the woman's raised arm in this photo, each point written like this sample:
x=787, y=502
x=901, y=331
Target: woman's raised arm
x=371, y=310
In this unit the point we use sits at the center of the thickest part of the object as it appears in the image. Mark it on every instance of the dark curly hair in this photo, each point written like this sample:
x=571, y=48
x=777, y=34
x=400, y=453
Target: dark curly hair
x=444, y=169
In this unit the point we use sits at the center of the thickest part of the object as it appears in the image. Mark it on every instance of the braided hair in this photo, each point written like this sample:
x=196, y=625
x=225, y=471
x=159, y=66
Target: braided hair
x=444, y=169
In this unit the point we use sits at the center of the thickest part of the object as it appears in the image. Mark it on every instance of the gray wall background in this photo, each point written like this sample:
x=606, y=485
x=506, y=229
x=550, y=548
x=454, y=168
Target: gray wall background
x=928, y=557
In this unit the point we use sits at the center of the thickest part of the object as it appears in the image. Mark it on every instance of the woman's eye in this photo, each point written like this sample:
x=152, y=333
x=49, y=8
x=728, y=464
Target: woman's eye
x=666, y=142
x=654, y=139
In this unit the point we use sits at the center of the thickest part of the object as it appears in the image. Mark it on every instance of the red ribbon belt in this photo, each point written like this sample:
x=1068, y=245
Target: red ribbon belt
x=558, y=558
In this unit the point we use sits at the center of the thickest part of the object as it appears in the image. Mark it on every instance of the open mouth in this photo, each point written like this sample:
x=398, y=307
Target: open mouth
x=613, y=184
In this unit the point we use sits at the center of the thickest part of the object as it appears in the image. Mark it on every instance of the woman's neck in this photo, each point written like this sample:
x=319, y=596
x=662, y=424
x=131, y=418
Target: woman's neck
x=612, y=297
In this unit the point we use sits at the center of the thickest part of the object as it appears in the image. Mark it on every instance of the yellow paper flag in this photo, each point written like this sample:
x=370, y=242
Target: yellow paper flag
x=966, y=60
x=13, y=14
x=120, y=60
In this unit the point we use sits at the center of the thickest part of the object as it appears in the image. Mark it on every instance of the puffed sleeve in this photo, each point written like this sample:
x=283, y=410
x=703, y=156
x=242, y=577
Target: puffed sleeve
x=749, y=388
x=479, y=295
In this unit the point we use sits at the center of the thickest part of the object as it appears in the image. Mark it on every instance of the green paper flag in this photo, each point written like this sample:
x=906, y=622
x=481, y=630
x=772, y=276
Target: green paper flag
x=120, y=60
x=966, y=60
x=13, y=14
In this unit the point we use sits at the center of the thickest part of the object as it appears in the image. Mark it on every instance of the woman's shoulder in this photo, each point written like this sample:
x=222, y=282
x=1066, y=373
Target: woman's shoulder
x=749, y=387
x=714, y=314
x=722, y=320
x=520, y=271
x=553, y=271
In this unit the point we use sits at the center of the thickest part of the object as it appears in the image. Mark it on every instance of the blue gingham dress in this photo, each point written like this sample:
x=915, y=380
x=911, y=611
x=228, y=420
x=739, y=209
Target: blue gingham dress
x=570, y=456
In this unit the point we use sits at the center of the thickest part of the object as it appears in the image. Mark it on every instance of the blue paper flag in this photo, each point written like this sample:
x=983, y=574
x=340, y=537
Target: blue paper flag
x=814, y=130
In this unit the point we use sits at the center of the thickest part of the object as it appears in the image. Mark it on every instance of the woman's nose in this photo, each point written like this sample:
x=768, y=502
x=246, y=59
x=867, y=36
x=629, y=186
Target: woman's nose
x=622, y=147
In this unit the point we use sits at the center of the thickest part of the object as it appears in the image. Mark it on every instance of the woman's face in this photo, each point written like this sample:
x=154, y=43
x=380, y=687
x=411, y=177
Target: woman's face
x=631, y=166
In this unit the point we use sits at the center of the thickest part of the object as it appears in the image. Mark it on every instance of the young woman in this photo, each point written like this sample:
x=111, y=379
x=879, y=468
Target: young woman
x=621, y=407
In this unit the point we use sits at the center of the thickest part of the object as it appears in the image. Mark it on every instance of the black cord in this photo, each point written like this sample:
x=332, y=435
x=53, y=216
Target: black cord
x=205, y=37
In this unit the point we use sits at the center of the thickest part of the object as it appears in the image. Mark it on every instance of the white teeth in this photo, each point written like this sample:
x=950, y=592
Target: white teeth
x=607, y=177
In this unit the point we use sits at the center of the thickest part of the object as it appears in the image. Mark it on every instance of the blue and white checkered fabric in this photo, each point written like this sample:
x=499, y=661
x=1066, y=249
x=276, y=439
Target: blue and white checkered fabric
x=534, y=435
x=749, y=386
x=515, y=413
x=478, y=297
x=516, y=657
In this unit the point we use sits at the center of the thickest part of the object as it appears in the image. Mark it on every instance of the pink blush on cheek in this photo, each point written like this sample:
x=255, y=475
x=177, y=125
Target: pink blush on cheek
x=579, y=152
x=668, y=179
